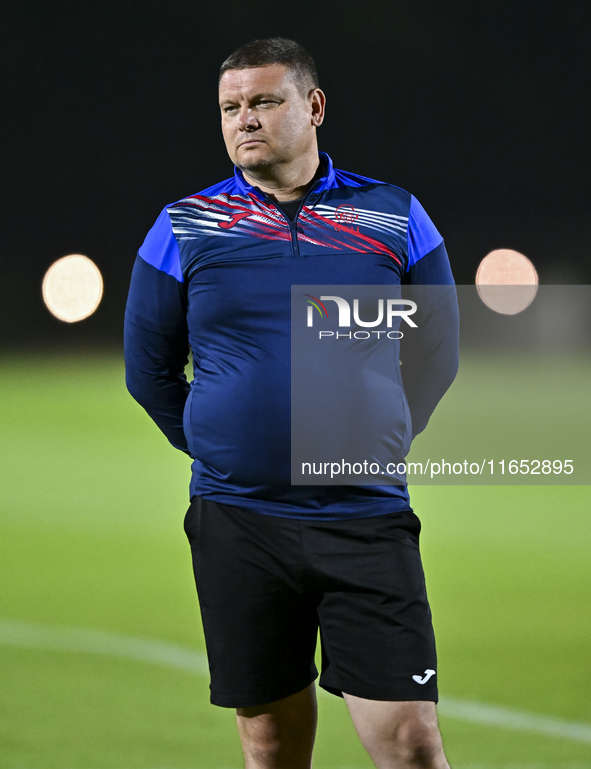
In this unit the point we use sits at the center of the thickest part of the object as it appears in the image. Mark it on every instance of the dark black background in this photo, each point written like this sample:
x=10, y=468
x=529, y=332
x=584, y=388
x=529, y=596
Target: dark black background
x=109, y=112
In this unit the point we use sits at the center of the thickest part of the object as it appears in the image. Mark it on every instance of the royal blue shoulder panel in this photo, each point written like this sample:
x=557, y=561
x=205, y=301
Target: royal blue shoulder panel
x=160, y=248
x=422, y=233
x=233, y=184
x=346, y=179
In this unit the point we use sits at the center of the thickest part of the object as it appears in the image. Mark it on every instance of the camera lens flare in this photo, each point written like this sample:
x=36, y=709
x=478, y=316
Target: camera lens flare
x=507, y=282
x=72, y=288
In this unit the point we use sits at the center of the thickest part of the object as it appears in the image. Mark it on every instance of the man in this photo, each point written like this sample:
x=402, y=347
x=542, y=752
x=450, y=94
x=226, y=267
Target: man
x=273, y=562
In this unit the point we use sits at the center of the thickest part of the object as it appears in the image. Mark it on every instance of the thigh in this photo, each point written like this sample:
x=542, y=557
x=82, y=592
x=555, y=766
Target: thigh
x=375, y=621
x=260, y=629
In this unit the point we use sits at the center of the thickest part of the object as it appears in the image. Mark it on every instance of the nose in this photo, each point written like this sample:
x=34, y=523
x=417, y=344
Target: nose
x=247, y=121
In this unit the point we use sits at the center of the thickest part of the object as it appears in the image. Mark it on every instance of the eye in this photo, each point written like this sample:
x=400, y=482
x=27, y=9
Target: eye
x=230, y=108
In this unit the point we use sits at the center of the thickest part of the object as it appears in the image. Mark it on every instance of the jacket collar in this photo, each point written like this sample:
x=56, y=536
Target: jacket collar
x=325, y=182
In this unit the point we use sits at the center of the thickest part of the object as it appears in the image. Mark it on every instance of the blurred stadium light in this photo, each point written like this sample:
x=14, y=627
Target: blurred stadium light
x=72, y=288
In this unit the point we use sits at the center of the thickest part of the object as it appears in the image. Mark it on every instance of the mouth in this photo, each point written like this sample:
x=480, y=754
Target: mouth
x=251, y=143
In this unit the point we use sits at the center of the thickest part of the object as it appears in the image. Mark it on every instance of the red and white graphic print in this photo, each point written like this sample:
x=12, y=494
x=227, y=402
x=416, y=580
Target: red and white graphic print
x=337, y=227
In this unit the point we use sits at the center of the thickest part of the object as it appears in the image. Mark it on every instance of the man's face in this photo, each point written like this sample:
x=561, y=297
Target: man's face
x=266, y=120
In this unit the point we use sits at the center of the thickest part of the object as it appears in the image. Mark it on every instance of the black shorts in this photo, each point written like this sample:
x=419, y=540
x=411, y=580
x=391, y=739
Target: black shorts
x=266, y=584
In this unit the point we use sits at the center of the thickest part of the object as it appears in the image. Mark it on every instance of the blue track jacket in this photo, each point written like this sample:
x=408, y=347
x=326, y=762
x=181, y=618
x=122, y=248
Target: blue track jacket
x=214, y=274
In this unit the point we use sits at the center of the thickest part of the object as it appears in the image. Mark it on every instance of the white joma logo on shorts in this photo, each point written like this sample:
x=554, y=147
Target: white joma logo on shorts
x=425, y=678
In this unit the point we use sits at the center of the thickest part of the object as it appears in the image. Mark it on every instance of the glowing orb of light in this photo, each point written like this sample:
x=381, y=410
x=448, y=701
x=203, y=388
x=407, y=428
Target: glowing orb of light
x=506, y=281
x=72, y=288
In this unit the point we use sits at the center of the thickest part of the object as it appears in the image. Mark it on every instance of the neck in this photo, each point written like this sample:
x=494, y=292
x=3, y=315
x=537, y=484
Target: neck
x=285, y=183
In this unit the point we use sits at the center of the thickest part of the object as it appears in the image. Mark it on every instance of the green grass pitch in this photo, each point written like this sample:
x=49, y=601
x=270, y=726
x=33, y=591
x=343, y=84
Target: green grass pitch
x=91, y=506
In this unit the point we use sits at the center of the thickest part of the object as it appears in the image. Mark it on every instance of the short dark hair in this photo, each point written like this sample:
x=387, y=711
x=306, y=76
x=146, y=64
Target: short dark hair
x=275, y=50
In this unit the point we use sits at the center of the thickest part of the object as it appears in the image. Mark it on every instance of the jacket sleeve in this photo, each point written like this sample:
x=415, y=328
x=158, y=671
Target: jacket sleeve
x=429, y=353
x=156, y=334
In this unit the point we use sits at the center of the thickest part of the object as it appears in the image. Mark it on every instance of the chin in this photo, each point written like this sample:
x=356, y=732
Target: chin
x=255, y=158
x=254, y=164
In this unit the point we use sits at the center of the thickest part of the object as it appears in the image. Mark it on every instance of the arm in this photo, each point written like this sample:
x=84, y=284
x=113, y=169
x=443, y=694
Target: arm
x=155, y=332
x=430, y=355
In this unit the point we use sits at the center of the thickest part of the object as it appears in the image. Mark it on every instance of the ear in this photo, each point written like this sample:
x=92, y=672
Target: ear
x=317, y=105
